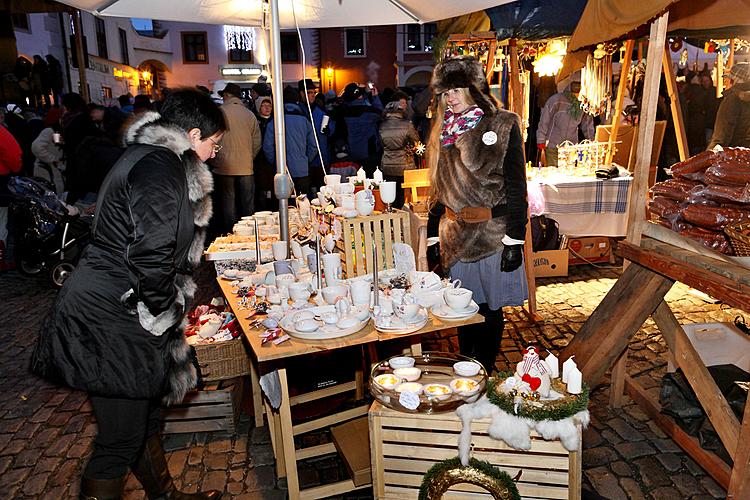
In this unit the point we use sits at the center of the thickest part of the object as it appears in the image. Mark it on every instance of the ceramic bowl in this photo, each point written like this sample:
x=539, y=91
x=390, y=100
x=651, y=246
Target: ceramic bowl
x=467, y=368
x=306, y=325
x=410, y=387
x=302, y=315
x=465, y=386
x=331, y=293
x=330, y=318
x=347, y=322
x=387, y=381
x=409, y=374
x=401, y=362
x=438, y=391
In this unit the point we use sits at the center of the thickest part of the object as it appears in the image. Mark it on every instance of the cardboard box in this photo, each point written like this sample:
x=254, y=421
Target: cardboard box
x=548, y=263
x=352, y=440
x=590, y=249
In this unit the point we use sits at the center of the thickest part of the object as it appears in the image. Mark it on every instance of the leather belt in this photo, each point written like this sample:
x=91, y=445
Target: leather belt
x=476, y=215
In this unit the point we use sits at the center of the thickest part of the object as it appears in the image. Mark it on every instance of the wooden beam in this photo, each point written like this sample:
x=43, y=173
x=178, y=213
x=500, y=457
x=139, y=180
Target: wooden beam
x=646, y=124
x=739, y=485
x=623, y=85
x=491, y=60
x=716, y=467
x=515, y=78
x=691, y=269
x=708, y=393
x=675, y=106
x=617, y=381
x=605, y=335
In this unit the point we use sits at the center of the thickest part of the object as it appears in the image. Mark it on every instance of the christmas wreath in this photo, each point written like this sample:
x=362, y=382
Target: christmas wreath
x=558, y=409
x=447, y=473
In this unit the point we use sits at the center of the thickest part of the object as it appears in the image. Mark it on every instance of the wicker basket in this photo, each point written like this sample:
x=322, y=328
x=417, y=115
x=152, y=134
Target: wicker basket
x=222, y=360
x=739, y=235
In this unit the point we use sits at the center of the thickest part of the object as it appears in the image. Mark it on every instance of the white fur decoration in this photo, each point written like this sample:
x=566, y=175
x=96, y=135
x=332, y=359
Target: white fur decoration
x=516, y=431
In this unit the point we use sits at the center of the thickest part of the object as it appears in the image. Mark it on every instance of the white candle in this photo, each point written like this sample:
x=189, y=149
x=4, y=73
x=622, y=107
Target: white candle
x=552, y=363
x=377, y=176
x=361, y=175
x=567, y=367
x=575, y=380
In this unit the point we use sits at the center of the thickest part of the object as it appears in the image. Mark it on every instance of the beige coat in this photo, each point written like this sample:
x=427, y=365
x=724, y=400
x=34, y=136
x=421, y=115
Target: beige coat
x=241, y=141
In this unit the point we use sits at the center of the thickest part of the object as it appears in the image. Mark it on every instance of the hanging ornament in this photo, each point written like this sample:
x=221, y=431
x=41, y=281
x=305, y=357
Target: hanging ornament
x=239, y=37
x=675, y=45
x=596, y=81
x=549, y=60
x=447, y=473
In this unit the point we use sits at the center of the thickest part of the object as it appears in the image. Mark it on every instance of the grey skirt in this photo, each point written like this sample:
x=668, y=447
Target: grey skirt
x=490, y=285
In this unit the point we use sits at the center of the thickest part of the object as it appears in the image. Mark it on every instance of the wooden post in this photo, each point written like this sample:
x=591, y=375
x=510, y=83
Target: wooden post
x=624, y=70
x=81, y=56
x=516, y=105
x=647, y=121
x=719, y=75
x=491, y=59
x=675, y=106
x=739, y=484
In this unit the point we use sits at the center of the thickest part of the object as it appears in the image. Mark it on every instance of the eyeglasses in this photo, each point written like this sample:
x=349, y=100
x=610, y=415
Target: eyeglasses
x=217, y=146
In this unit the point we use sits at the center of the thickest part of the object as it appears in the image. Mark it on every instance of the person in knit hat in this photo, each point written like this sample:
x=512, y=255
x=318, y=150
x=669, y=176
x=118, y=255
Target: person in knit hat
x=478, y=192
x=732, y=127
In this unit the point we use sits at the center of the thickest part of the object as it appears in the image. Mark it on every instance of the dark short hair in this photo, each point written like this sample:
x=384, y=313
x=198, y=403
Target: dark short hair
x=190, y=108
x=142, y=101
x=74, y=102
x=291, y=96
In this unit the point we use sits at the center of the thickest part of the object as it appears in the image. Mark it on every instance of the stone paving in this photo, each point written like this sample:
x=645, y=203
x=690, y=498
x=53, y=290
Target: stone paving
x=46, y=432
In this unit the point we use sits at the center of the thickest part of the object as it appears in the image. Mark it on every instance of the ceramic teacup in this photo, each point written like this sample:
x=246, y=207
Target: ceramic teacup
x=299, y=292
x=407, y=312
x=360, y=290
x=331, y=293
x=280, y=250
x=457, y=299
x=332, y=179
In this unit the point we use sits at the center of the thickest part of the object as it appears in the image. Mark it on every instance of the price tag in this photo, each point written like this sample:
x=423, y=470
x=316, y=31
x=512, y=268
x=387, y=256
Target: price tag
x=409, y=400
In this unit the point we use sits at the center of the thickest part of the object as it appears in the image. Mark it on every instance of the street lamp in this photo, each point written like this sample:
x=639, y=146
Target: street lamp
x=329, y=74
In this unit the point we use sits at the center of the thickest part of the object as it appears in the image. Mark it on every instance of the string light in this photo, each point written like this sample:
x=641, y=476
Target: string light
x=239, y=37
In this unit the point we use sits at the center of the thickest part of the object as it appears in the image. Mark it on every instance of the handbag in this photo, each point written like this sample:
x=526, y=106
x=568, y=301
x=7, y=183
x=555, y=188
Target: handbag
x=545, y=233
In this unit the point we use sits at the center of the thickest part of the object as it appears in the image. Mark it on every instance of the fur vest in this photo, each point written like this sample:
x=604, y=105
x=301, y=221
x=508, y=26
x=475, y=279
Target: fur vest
x=470, y=174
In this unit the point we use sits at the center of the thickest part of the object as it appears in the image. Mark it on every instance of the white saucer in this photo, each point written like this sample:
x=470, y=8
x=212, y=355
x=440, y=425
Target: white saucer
x=442, y=311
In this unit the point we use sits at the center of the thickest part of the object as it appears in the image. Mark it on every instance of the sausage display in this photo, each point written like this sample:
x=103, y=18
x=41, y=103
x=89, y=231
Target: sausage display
x=714, y=240
x=739, y=195
x=687, y=169
x=714, y=218
x=728, y=173
x=676, y=189
x=664, y=207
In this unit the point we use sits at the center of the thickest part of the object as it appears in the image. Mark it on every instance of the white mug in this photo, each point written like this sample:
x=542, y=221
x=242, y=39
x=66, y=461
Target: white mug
x=297, y=250
x=332, y=179
x=360, y=292
x=280, y=250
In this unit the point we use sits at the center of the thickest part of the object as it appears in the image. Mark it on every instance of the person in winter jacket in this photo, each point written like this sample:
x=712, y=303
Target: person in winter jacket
x=397, y=135
x=357, y=121
x=262, y=170
x=478, y=188
x=48, y=152
x=300, y=143
x=115, y=329
x=561, y=119
x=233, y=166
x=732, y=126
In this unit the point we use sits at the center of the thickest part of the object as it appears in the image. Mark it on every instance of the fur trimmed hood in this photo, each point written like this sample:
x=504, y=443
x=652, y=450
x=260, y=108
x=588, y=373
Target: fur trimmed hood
x=464, y=72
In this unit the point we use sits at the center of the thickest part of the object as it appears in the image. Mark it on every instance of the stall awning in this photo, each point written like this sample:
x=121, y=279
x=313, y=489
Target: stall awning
x=536, y=19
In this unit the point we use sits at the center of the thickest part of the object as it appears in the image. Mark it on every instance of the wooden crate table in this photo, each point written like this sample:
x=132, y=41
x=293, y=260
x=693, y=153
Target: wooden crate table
x=358, y=235
x=404, y=446
x=271, y=357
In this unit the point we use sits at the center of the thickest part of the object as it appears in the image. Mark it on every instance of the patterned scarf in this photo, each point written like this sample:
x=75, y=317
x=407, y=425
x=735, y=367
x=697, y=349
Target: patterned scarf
x=455, y=124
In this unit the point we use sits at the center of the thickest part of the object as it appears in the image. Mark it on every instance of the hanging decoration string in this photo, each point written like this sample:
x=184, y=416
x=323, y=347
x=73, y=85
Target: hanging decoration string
x=239, y=37
x=596, y=81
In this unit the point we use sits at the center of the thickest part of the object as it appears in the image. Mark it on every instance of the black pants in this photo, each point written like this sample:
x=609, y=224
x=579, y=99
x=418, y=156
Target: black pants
x=482, y=341
x=124, y=426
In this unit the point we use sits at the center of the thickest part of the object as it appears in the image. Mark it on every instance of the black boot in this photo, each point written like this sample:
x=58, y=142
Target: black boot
x=152, y=472
x=101, y=489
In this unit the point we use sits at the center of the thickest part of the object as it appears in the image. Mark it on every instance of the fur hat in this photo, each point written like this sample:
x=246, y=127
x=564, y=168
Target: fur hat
x=464, y=72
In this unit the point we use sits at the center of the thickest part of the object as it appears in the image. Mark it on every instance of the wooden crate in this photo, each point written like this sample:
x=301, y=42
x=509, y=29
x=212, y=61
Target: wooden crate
x=405, y=446
x=416, y=185
x=355, y=246
x=215, y=408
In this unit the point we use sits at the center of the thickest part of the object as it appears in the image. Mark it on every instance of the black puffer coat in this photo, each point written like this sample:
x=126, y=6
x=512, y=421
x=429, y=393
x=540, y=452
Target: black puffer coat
x=116, y=327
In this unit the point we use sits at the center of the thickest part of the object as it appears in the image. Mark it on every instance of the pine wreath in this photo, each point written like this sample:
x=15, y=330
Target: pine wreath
x=535, y=410
x=447, y=473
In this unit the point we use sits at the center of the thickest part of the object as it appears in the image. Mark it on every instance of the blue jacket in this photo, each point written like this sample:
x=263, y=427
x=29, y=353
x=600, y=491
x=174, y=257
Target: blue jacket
x=362, y=123
x=300, y=142
x=318, y=115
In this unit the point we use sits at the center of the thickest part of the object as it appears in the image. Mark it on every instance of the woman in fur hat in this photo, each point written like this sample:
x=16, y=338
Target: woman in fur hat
x=478, y=198
x=115, y=330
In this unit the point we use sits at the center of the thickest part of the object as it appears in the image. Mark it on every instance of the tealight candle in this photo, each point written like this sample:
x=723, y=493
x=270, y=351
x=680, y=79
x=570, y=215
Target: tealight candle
x=567, y=366
x=575, y=380
x=553, y=365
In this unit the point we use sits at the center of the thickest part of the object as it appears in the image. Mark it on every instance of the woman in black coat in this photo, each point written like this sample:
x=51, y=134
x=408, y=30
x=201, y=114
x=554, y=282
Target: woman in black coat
x=115, y=330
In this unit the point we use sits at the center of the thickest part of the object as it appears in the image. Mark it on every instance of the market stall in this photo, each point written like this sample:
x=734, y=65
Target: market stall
x=658, y=256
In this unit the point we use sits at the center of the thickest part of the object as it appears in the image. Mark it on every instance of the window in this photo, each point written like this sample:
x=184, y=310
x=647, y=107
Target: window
x=124, y=54
x=101, y=37
x=289, y=48
x=418, y=37
x=240, y=56
x=354, y=42
x=194, y=47
x=20, y=22
x=106, y=92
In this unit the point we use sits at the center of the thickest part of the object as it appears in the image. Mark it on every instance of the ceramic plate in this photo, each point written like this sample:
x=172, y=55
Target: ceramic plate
x=325, y=332
x=442, y=311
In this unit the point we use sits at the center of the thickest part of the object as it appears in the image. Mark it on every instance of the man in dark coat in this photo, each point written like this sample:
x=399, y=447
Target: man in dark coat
x=732, y=126
x=115, y=330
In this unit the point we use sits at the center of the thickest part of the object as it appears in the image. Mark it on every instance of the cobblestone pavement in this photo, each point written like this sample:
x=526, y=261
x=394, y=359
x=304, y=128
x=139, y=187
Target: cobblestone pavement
x=46, y=432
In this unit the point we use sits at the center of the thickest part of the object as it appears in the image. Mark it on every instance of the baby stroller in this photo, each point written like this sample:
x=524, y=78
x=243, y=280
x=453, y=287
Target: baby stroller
x=49, y=235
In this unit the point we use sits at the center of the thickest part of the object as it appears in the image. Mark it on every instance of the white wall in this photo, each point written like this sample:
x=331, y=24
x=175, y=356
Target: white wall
x=44, y=38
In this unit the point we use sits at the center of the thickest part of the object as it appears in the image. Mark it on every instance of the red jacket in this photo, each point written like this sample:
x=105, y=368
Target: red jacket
x=10, y=153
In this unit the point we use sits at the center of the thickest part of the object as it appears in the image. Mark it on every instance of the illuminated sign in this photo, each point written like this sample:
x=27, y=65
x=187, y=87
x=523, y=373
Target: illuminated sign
x=123, y=74
x=244, y=72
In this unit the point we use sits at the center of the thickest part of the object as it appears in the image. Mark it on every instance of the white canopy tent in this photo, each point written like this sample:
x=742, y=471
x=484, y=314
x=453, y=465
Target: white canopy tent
x=283, y=14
